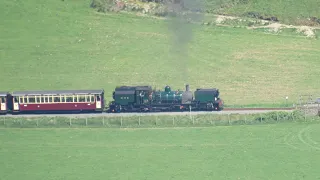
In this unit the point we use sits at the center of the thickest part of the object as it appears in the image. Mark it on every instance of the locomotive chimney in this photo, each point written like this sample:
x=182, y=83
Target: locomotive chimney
x=187, y=87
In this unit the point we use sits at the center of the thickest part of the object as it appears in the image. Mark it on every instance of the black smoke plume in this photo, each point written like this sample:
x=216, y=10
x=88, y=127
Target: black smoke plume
x=183, y=15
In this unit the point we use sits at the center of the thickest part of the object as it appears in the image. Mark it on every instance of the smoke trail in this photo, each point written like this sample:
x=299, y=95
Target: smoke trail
x=183, y=13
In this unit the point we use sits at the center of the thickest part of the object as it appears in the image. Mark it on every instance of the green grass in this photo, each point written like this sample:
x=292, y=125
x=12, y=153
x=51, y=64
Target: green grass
x=282, y=151
x=67, y=45
x=159, y=121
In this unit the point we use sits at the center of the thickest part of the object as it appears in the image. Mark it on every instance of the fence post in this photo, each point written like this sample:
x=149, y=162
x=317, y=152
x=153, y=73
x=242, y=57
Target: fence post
x=229, y=119
x=277, y=116
x=37, y=122
x=86, y=121
x=4, y=121
x=260, y=117
x=103, y=121
x=292, y=116
x=173, y=120
x=305, y=115
x=156, y=119
x=70, y=122
x=139, y=119
x=121, y=122
x=245, y=119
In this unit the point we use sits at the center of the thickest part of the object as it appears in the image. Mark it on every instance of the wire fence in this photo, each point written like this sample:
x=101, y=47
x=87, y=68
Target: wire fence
x=156, y=121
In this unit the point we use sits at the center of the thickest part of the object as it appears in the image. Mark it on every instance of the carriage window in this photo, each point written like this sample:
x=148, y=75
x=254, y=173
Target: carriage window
x=87, y=98
x=38, y=99
x=3, y=99
x=25, y=99
x=32, y=99
x=50, y=99
x=16, y=99
x=56, y=99
x=98, y=98
x=63, y=98
x=44, y=99
x=92, y=98
x=75, y=98
x=69, y=99
x=82, y=99
x=21, y=99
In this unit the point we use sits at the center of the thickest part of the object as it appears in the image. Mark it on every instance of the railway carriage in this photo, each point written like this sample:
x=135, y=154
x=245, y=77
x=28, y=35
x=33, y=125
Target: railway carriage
x=58, y=101
x=3, y=102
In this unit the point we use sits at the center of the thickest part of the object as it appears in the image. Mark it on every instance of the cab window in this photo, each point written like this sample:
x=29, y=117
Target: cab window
x=2, y=99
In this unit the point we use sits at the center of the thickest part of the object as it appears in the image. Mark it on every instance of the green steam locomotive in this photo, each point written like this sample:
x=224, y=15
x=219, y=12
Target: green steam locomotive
x=146, y=99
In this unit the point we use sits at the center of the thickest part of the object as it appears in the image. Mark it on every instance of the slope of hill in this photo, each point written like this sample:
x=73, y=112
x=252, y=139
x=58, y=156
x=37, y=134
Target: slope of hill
x=67, y=45
x=298, y=12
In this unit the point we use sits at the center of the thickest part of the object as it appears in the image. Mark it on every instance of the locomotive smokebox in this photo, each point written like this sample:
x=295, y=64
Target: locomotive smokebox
x=187, y=87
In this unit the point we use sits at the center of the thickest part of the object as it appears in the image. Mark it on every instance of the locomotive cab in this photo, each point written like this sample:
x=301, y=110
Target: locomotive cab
x=208, y=99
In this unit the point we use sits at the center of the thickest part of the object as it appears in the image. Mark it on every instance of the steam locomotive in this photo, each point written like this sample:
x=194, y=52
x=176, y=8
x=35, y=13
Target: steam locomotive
x=125, y=99
x=143, y=98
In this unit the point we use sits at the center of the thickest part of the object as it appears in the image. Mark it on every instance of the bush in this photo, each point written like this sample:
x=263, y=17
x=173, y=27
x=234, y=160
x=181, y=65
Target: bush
x=257, y=15
x=143, y=6
x=102, y=5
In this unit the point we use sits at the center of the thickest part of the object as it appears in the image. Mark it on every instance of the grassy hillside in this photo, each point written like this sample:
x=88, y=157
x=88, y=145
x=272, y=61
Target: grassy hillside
x=287, y=11
x=281, y=151
x=67, y=45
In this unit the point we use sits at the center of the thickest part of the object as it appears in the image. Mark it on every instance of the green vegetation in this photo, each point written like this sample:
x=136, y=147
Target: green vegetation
x=287, y=11
x=201, y=120
x=281, y=151
x=68, y=45
x=297, y=12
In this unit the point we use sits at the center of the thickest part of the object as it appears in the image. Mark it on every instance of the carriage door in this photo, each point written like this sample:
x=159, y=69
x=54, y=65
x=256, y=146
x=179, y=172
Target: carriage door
x=16, y=103
x=98, y=102
x=3, y=106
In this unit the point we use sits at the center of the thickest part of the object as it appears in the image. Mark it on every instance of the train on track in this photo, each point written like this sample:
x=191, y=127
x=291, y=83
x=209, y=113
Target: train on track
x=125, y=99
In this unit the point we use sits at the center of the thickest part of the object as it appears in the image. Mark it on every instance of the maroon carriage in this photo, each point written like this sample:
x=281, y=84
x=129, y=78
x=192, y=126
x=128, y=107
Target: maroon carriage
x=3, y=102
x=58, y=101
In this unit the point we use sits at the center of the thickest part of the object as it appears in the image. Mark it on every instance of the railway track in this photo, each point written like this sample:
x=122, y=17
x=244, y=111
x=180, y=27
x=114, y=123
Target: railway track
x=225, y=111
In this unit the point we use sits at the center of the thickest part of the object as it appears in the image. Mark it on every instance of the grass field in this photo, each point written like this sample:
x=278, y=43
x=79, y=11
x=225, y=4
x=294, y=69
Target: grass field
x=282, y=151
x=67, y=45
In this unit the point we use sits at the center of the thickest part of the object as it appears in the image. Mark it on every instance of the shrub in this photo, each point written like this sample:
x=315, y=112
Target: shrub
x=102, y=5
